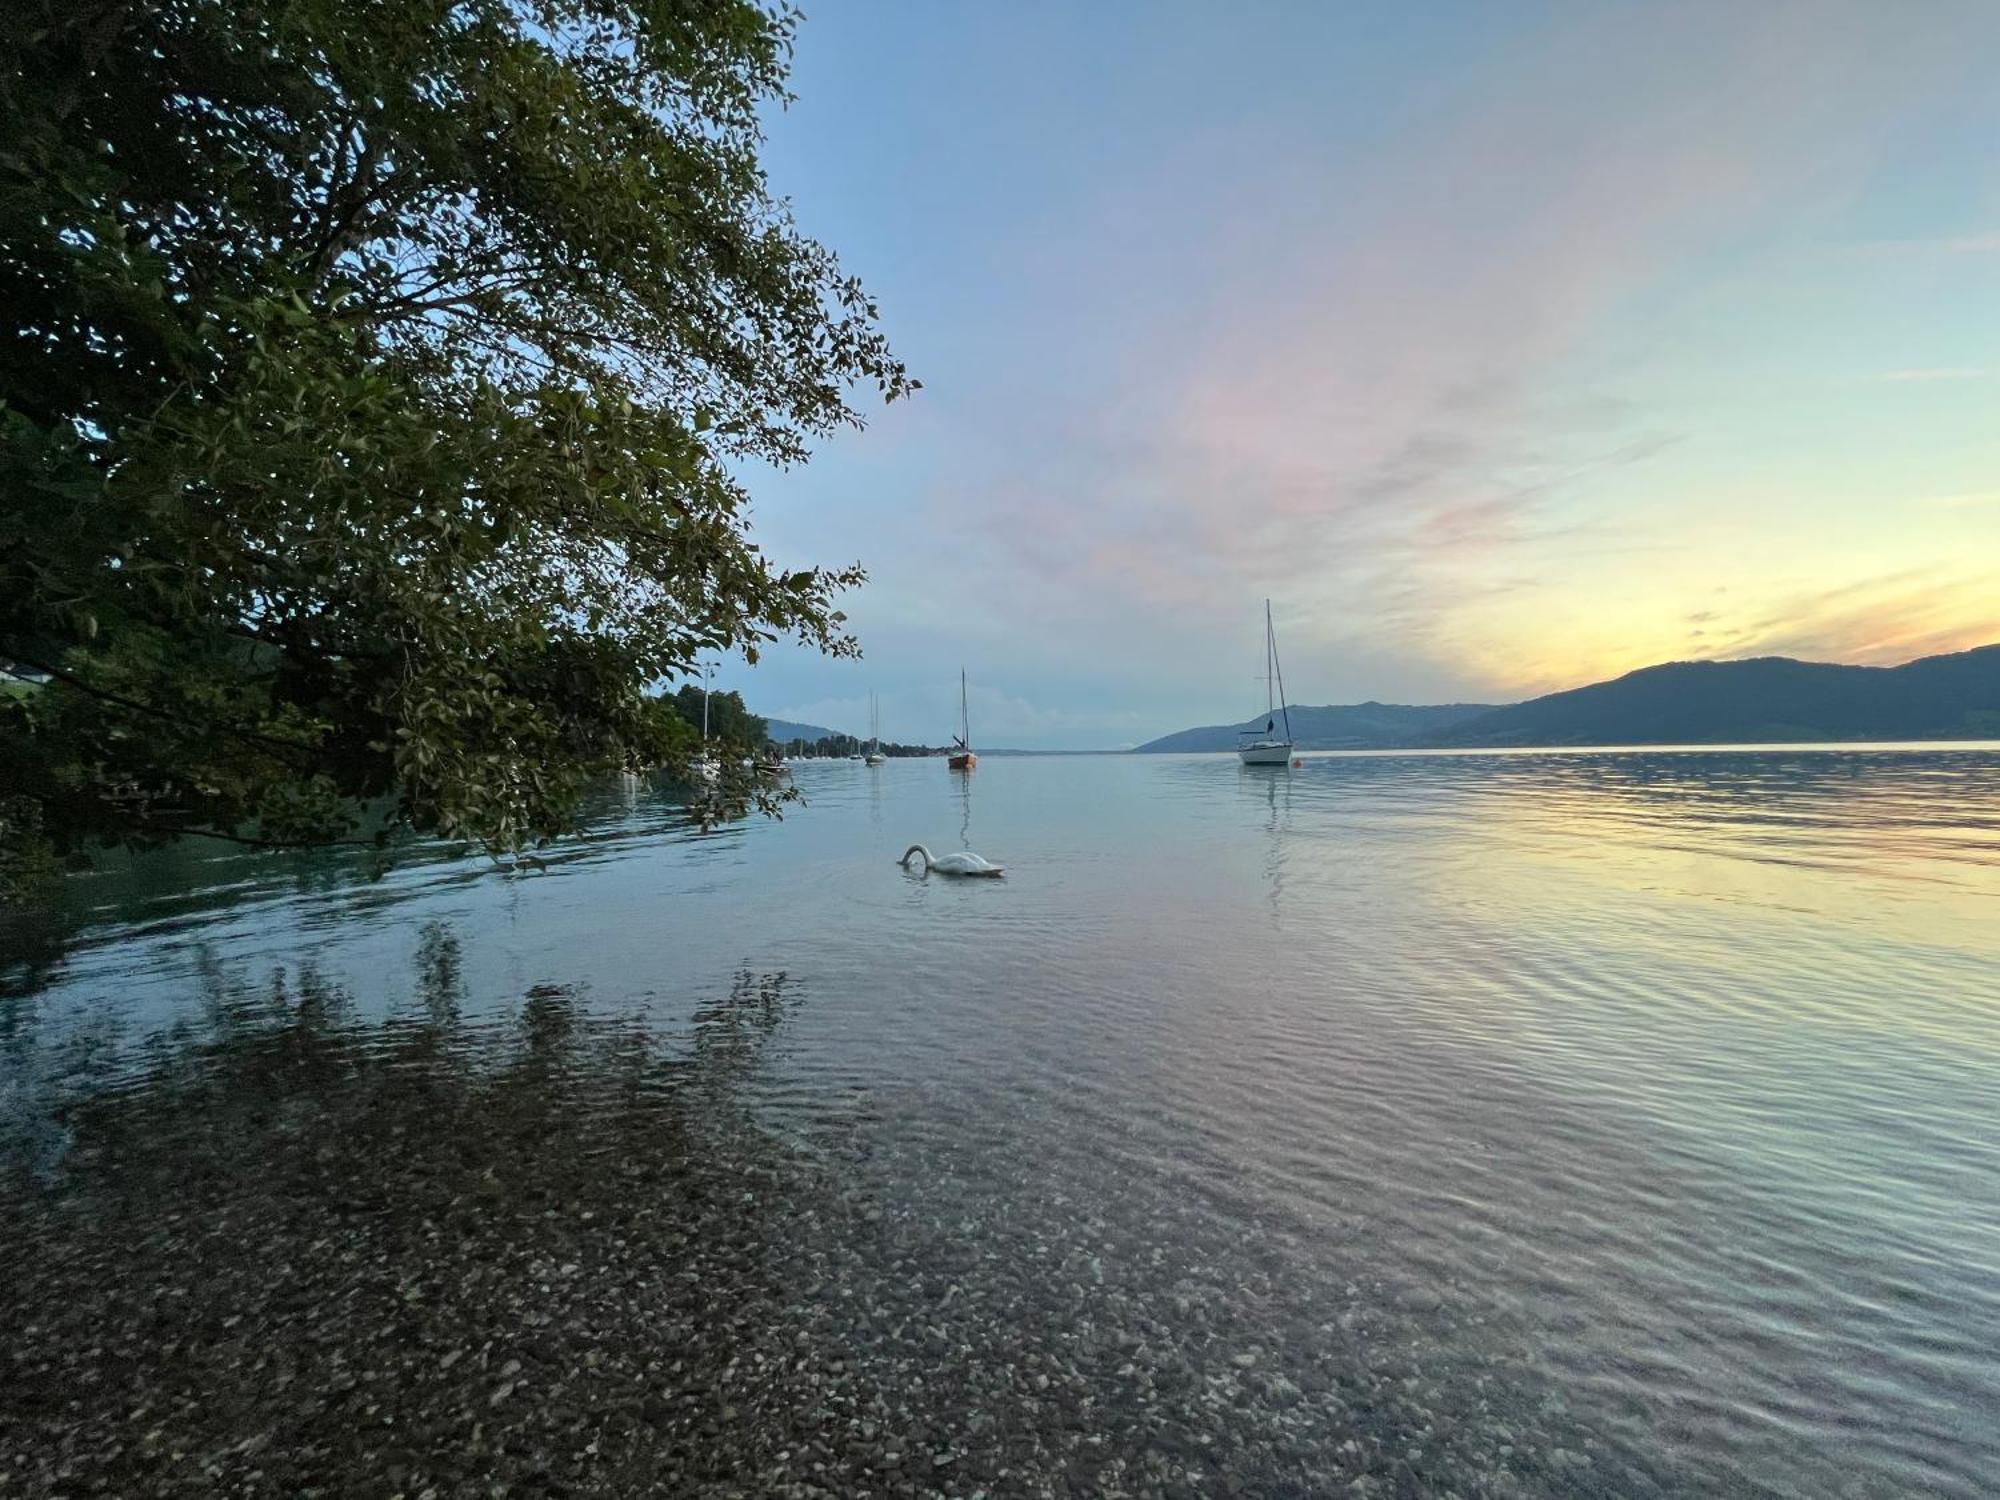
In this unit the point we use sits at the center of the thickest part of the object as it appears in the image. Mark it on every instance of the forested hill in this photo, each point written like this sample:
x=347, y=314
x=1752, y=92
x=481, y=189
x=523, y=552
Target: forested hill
x=784, y=731
x=1352, y=726
x=1771, y=698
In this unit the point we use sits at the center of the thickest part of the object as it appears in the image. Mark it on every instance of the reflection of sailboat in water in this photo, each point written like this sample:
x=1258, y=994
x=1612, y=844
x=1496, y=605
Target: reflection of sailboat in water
x=1280, y=810
x=1279, y=819
x=629, y=786
x=964, y=785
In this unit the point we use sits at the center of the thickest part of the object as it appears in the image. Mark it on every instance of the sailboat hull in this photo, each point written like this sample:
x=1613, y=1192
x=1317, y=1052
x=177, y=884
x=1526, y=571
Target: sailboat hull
x=1266, y=753
x=965, y=760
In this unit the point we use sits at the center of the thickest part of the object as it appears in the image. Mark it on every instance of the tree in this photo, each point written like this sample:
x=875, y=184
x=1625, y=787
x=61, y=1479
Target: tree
x=370, y=377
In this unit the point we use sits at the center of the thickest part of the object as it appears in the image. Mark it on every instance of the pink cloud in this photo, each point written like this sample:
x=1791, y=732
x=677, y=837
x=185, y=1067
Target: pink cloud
x=1378, y=376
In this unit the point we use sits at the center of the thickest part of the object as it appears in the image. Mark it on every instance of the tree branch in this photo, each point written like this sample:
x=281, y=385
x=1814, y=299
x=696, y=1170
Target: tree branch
x=290, y=747
x=174, y=831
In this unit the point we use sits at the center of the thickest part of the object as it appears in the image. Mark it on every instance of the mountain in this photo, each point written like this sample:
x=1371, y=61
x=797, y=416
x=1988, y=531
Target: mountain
x=1352, y=726
x=778, y=731
x=1763, y=699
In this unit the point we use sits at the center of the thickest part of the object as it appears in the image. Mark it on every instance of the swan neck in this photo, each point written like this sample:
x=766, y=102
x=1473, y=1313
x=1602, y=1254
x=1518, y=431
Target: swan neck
x=918, y=849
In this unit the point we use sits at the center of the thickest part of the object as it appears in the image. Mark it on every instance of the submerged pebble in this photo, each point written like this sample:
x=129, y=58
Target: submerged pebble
x=583, y=1268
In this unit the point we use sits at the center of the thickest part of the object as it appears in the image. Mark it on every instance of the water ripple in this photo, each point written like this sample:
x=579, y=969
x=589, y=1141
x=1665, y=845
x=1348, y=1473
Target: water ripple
x=1655, y=1089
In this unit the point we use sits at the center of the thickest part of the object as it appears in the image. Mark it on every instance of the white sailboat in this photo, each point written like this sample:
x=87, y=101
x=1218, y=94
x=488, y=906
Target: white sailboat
x=875, y=757
x=708, y=768
x=1266, y=746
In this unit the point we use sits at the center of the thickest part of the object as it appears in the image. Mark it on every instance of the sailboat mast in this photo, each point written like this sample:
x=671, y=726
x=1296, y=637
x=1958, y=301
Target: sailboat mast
x=964, y=718
x=1271, y=635
x=1269, y=645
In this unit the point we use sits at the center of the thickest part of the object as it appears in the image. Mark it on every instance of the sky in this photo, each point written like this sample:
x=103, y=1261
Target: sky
x=1503, y=347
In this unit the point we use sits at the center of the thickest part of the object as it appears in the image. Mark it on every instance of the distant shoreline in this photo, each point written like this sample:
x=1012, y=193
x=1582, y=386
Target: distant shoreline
x=1681, y=747
x=1656, y=747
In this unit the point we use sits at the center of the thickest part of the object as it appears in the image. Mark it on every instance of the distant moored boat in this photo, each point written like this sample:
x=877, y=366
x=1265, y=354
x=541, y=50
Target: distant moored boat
x=962, y=759
x=874, y=756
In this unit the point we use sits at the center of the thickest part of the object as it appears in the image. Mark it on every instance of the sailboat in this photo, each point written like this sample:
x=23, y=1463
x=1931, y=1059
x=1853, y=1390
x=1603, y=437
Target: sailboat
x=875, y=756
x=708, y=768
x=962, y=759
x=1266, y=747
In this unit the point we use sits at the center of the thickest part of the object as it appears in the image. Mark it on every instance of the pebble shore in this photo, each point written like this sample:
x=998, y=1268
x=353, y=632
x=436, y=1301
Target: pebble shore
x=321, y=1258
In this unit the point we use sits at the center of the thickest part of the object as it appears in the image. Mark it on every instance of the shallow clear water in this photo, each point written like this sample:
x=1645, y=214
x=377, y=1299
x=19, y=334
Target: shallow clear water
x=1584, y=1123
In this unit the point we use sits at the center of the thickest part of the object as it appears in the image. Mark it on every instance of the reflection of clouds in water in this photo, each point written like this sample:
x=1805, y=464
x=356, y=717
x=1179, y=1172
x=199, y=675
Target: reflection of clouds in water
x=512, y=1227
x=1576, y=1042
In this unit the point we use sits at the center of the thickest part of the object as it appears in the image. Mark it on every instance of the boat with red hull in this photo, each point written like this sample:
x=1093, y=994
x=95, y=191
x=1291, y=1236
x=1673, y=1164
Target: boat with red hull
x=962, y=759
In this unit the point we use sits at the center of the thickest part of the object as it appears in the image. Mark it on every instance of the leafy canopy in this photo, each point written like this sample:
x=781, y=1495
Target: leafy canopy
x=370, y=377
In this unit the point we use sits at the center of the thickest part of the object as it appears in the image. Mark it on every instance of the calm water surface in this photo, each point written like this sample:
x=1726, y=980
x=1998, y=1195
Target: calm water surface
x=1638, y=1113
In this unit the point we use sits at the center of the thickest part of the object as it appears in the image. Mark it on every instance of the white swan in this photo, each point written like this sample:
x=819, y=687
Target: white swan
x=961, y=863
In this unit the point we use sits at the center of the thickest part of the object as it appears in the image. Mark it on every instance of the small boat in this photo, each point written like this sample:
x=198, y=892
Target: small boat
x=962, y=759
x=1266, y=746
x=875, y=757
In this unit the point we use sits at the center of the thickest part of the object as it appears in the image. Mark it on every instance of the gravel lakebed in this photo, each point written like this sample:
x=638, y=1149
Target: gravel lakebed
x=307, y=1255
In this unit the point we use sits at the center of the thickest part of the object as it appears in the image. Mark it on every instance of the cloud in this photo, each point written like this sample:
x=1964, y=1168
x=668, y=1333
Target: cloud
x=1364, y=407
x=1947, y=373
x=1951, y=244
x=1427, y=371
x=1876, y=621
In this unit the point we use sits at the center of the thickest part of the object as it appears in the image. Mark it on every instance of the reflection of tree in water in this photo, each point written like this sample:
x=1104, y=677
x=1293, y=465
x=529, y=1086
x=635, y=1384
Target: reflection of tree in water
x=440, y=974
x=258, y=1061
x=733, y=1035
x=32, y=941
x=285, y=1215
x=550, y=1252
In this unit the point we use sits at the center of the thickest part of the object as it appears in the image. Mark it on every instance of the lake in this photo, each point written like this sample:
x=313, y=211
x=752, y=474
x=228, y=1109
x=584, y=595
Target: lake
x=1587, y=1123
